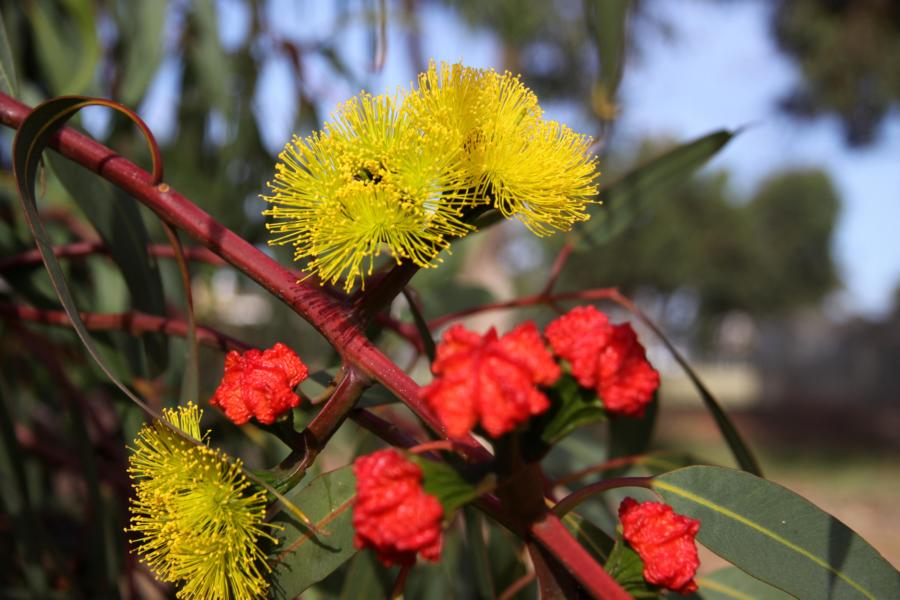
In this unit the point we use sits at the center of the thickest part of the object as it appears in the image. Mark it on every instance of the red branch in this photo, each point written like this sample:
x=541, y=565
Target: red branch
x=79, y=249
x=329, y=316
x=135, y=323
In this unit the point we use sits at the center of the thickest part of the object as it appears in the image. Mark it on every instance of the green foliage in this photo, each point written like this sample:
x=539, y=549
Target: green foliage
x=767, y=256
x=302, y=556
x=731, y=582
x=845, y=52
x=778, y=536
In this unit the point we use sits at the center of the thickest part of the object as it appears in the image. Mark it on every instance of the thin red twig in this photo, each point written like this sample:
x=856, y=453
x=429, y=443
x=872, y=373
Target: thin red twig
x=80, y=249
x=578, y=496
x=134, y=322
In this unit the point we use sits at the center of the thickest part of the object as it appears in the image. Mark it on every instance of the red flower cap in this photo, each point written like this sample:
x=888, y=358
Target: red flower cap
x=578, y=336
x=259, y=384
x=392, y=514
x=627, y=381
x=608, y=358
x=490, y=379
x=665, y=542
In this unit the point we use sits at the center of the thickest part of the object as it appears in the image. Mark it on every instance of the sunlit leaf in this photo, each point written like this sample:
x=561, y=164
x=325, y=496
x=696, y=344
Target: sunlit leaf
x=777, y=536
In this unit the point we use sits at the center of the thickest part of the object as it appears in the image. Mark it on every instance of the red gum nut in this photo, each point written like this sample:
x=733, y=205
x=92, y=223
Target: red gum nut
x=259, y=384
x=489, y=379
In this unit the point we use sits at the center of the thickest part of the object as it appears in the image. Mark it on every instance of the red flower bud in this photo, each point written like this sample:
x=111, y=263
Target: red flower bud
x=259, y=384
x=665, y=542
x=608, y=358
x=392, y=513
x=490, y=379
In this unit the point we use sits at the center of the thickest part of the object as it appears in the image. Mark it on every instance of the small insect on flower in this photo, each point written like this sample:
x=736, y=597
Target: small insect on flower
x=197, y=520
x=369, y=181
x=665, y=542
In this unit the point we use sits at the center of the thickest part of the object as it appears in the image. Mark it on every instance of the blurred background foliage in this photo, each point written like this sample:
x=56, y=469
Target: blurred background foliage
x=741, y=281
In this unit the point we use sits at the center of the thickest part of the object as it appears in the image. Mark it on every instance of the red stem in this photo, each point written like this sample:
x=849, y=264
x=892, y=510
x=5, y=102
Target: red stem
x=330, y=317
x=133, y=322
x=578, y=496
x=542, y=298
x=79, y=249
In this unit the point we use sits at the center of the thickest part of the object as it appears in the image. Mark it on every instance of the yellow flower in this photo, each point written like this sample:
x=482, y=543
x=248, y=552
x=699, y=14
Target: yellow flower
x=521, y=164
x=198, y=520
x=369, y=182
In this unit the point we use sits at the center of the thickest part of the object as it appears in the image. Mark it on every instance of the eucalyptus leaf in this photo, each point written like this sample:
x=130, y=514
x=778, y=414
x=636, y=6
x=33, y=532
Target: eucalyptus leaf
x=302, y=556
x=731, y=583
x=633, y=193
x=777, y=536
x=8, y=83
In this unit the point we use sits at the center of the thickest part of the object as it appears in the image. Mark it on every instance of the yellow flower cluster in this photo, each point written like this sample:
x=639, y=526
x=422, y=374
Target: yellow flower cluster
x=408, y=173
x=197, y=519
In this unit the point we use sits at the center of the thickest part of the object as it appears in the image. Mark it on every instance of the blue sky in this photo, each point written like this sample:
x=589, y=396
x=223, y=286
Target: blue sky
x=720, y=69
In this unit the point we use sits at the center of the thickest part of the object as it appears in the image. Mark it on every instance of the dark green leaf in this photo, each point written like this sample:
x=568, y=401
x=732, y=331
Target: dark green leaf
x=609, y=20
x=629, y=195
x=571, y=406
x=8, y=83
x=366, y=578
x=141, y=23
x=627, y=569
x=629, y=436
x=777, y=536
x=451, y=487
x=421, y=325
x=597, y=542
x=118, y=220
x=302, y=558
x=33, y=136
x=476, y=553
x=67, y=45
x=731, y=583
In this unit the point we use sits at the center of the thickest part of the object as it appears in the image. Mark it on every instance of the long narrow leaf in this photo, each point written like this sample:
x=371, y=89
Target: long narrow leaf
x=777, y=536
x=632, y=194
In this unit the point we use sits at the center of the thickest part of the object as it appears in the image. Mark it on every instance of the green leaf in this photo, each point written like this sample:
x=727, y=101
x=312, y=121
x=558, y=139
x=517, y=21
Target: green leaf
x=608, y=20
x=629, y=436
x=627, y=569
x=594, y=539
x=633, y=193
x=116, y=217
x=731, y=583
x=453, y=488
x=777, y=536
x=33, y=136
x=141, y=23
x=68, y=48
x=302, y=558
x=476, y=553
x=366, y=578
x=571, y=406
x=8, y=84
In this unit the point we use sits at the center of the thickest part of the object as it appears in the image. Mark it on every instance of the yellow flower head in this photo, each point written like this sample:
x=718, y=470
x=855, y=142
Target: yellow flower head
x=197, y=518
x=521, y=164
x=369, y=182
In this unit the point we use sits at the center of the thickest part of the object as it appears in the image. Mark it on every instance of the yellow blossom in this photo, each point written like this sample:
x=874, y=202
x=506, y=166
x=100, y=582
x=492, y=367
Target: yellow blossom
x=517, y=162
x=198, y=520
x=368, y=182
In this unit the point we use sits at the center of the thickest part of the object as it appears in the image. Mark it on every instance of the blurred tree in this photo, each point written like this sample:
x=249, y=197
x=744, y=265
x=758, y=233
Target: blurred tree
x=767, y=256
x=846, y=51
